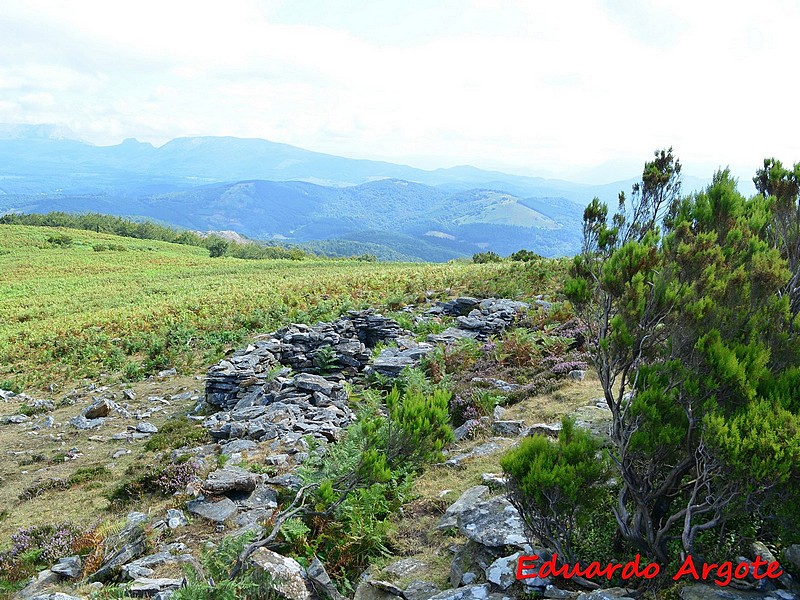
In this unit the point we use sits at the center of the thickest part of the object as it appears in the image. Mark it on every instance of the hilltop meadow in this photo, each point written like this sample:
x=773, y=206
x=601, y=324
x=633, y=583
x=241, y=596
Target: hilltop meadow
x=78, y=304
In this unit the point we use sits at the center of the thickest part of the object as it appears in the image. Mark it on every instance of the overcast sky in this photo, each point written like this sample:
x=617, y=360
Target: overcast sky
x=531, y=86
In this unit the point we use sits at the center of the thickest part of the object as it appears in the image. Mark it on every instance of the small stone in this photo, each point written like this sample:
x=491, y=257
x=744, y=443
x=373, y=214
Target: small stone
x=146, y=427
x=321, y=581
x=230, y=479
x=81, y=422
x=577, y=374
x=99, y=408
x=146, y=587
x=176, y=518
x=469, y=592
x=420, y=590
x=493, y=523
x=16, y=419
x=508, y=428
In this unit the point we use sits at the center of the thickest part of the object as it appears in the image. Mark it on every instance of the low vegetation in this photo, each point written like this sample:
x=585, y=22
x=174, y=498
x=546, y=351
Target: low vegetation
x=70, y=312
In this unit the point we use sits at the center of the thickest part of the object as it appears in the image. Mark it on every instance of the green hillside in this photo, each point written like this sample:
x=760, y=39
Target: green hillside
x=77, y=304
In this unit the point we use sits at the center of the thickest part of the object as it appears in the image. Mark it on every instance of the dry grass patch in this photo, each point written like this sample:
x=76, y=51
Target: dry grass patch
x=550, y=407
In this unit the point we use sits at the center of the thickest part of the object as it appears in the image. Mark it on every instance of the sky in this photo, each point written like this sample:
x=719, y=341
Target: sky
x=580, y=89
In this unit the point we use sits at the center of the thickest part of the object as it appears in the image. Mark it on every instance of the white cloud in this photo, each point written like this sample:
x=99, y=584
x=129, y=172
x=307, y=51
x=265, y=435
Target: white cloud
x=530, y=85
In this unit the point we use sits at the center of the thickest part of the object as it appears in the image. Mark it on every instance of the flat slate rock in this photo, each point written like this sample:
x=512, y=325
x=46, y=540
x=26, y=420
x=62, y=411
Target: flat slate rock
x=465, y=502
x=213, y=511
x=493, y=523
x=468, y=592
x=230, y=479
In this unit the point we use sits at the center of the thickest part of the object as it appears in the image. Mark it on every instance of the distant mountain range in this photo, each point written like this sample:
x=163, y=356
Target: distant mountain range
x=270, y=191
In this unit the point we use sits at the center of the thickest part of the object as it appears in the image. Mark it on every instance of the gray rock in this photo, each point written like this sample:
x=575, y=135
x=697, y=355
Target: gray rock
x=508, y=428
x=236, y=446
x=176, y=518
x=286, y=573
x=553, y=593
x=420, y=590
x=322, y=583
x=503, y=571
x=387, y=587
x=81, y=422
x=218, y=512
x=15, y=419
x=466, y=429
x=122, y=548
x=469, y=592
x=99, y=408
x=69, y=567
x=468, y=578
x=146, y=587
x=276, y=459
x=493, y=523
x=450, y=336
x=483, y=450
x=465, y=502
x=608, y=594
x=546, y=429
x=494, y=480
x=792, y=554
x=230, y=479
x=42, y=580
x=366, y=591
x=404, y=568
x=314, y=383
x=785, y=580
x=577, y=374
x=146, y=427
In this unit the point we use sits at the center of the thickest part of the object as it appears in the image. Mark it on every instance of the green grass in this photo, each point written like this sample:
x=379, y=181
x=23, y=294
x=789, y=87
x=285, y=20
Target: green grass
x=70, y=312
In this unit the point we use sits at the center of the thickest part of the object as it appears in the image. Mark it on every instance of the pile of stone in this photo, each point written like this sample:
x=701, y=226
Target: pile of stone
x=477, y=319
x=340, y=346
x=284, y=408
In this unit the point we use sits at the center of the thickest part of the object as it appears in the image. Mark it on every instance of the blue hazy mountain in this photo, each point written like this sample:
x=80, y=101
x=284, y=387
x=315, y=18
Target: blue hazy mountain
x=271, y=191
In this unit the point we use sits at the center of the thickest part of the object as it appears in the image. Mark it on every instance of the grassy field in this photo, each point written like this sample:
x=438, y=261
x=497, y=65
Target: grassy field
x=76, y=304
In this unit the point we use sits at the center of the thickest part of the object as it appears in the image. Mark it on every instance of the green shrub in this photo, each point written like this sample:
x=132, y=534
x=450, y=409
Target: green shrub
x=61, y=240
x=177, y=433
x=486, y=257
x=556, y=485
x=524, y=256
x=218, y=585
x=84, y=474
